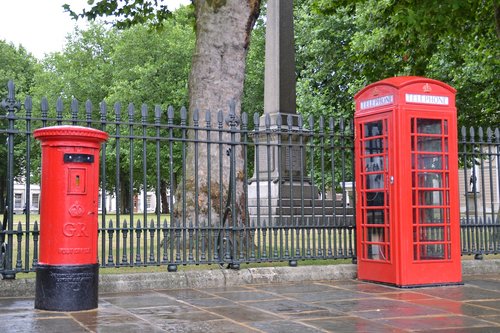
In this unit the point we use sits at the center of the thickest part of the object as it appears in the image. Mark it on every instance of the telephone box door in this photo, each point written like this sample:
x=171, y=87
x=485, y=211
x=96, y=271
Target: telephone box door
x=433, y=206
x=374, y=176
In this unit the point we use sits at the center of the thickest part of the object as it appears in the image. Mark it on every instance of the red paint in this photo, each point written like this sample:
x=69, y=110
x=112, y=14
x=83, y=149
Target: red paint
x=407, y=213
x=69, y=194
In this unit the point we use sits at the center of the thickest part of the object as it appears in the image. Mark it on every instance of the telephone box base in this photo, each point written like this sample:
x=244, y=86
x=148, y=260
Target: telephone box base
x=67, y=288
x=411, y=286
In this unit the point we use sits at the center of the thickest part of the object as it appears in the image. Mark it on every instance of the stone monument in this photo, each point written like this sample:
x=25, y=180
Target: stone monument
x=281, y=192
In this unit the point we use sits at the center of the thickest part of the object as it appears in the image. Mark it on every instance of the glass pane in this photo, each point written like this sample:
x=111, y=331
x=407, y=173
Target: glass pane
x=373, y=128
x=374, y=164
x=377, y=252
x=375, y=216
x=429, y=161
x=431, y=252
x=373, y=147
x=430, y=198
x=376, y=235
x=430, y=179
x=431, y=215
x=374, y=181
x=431, y=144
x=431, y=234
x=375, y=198
x=429, y=126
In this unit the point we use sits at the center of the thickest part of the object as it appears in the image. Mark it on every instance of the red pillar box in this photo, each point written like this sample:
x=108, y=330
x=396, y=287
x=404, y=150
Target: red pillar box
x=407, y=213
x=67, y=273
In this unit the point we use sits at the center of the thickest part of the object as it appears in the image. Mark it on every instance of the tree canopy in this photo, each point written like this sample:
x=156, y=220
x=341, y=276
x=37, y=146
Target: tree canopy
x=453, y=41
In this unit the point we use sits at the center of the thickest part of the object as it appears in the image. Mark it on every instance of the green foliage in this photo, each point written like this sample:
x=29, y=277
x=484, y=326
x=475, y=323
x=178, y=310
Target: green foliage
x=127, y=13
x=253, y=93
x=18, y=65
x=451, y=41
x=138, y=67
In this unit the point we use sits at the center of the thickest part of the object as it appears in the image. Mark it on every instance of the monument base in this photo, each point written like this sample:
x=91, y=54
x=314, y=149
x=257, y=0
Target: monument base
x=272, y=204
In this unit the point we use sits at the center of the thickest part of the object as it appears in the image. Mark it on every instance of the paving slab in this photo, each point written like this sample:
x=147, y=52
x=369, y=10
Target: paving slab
x=306, y=306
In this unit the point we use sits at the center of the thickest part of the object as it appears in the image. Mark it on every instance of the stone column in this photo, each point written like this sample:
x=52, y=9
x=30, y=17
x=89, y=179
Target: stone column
x=281, y=186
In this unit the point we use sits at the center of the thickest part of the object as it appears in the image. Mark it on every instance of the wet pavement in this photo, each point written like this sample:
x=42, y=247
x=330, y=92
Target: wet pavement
x=320, y=306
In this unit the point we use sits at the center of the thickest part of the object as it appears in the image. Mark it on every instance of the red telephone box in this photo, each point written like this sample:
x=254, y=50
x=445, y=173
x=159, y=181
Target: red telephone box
x=407, y=213
x=67, y=272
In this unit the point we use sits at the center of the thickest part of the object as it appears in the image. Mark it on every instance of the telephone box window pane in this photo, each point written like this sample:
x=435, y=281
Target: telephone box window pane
x=430, y=179
x=375, y=198
x=375, y=216
x=430, y=144
x=374, y=147
x=431, y=215
x=430, y=162
x=374, y=181
x=374, y=128
x=376, y=235
x=373, y=164
x=432, y=252
x=429, y=126
x=377, y=252
x=431, y=234
x=430, y=198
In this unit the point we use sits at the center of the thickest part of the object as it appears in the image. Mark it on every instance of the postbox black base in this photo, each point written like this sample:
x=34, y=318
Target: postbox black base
x=67, y=288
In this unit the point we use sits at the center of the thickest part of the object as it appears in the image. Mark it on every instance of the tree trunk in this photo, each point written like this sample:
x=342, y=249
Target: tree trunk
x=223, y=30
x=164, y=198
x=124, y=197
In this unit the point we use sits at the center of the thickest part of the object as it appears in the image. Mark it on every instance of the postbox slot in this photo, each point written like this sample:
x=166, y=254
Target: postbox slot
x=78, y=158
x=77, y=181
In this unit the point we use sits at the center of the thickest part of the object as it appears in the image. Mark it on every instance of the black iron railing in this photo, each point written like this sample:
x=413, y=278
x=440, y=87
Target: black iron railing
x=216, y=188
x=179, y=189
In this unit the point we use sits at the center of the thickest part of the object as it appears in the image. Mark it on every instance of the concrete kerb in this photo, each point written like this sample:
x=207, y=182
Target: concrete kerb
x=115, y=283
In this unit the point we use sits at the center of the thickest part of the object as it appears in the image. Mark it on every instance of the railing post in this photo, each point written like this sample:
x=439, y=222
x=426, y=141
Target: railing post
x=233, y=122
x=11, y=106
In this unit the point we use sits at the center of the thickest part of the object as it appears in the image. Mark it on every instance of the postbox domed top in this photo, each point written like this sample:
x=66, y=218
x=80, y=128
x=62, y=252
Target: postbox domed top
x=66, y=132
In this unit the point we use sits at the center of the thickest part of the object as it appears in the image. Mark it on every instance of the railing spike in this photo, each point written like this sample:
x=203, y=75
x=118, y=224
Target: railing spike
x=170, y=113
x=183, y=113
x=104, y=110
x=220, y=118
x=28, y=105
x=256, y=120
x=118, y=110
x=157, y=113
x=131, y=111
x=244, y=119
x=196, y=115
x=59, y=105
x=11, y=90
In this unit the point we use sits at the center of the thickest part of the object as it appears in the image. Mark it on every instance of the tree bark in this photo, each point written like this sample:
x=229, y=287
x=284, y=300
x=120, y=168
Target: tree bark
x=164, y=198
x=223, y=30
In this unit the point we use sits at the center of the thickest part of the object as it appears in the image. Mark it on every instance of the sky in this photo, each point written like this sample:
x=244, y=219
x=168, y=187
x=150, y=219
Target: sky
x=41, y=26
